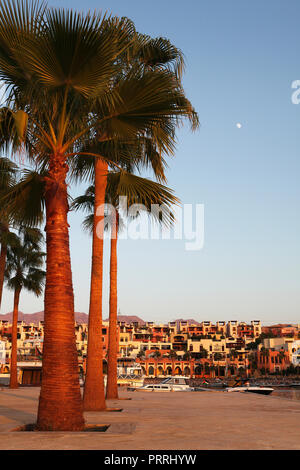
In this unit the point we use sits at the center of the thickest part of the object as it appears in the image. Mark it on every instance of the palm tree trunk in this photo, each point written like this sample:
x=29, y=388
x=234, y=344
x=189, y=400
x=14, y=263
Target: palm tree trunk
x=2, y=268
x=94, y=396
x=13, y=382
x=4, y=229
x=60, y=404
x=112, y=376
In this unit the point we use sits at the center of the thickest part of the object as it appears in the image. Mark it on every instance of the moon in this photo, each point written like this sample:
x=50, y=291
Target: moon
x=239, y=125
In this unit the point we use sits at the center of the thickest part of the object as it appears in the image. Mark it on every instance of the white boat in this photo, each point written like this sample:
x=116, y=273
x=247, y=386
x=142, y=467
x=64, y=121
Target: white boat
x=171, y=384
x=260, y=390
x=295, y=385
x=129, y=374
x=247, y=388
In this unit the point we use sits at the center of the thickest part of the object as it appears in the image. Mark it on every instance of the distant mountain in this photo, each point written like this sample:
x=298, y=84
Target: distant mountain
x=190, y=321
x=80, y=317
x=26, y=317
x=130, y=319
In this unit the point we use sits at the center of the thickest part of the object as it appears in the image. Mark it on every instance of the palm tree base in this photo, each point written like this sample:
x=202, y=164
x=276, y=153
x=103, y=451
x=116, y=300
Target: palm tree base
x=119, y=398
x=114, y=409
x=87, y=428
x=94, y=408
x=113, y=396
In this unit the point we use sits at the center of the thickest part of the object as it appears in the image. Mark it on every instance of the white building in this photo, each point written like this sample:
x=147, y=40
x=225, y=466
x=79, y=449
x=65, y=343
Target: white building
x=2, y=352
x=295, y=351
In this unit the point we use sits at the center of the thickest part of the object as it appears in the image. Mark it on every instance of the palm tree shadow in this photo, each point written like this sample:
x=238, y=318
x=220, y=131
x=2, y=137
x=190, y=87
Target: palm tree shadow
x=17, y=415
x=18, y=396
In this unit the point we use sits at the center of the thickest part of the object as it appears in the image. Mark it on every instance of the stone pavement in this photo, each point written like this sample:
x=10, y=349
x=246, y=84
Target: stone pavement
x=180, y=420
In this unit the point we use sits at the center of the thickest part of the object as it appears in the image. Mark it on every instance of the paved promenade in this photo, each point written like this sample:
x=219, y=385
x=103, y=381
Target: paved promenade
x=180, y=420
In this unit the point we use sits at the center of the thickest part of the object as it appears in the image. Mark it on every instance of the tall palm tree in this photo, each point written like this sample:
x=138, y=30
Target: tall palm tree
x=24, y=261
x=136, y=190
x=58, y=67
x=152, y=104
x=55, y=64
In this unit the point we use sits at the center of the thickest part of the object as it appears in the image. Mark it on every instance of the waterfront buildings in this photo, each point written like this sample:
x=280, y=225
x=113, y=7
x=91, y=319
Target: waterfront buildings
x=177, y=348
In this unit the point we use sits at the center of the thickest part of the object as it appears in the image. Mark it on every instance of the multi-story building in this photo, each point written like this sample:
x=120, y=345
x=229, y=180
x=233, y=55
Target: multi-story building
x=232, y=328
x=184, y=347
x=211, y=346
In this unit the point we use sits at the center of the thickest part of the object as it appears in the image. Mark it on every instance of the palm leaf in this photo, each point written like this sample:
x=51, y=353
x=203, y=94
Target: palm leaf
x=25, y=201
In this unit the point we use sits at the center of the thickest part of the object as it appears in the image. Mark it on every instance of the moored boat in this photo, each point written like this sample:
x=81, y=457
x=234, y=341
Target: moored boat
x=247, y=388
x=171, y=384
x=251, y=389
x=295, y=385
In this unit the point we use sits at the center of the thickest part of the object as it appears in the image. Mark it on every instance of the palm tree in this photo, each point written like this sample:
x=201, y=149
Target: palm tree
x=172, y=354
x=24, y=261
x=22, y=207
x=55, y=65
x=153, y=102
x=58, y=67
x=7, y=177
x=252, y=361
x=156, y=354
x=187, y=356
x=136, y=190
x=281, y=356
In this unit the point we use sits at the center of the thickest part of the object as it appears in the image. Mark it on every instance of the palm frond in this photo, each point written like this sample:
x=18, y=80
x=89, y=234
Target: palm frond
x=25, y=201
x=25, y=260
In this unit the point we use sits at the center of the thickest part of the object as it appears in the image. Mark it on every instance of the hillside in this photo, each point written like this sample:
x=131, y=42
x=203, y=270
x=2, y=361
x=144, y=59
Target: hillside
x=80, y=317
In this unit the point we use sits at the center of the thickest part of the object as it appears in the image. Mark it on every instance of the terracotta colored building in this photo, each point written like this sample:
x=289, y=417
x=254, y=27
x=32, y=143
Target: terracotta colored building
x=273, y=361
x=161, y=367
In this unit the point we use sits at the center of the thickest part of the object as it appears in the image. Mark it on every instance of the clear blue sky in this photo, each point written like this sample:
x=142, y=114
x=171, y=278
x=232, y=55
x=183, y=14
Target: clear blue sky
x=241, y=59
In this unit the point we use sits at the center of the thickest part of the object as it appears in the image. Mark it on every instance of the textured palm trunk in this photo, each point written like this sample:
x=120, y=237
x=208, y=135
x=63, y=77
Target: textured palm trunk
x=13, y=383
x=2, y=267
x=94, y=395
x=60, y=403
x=112, y=376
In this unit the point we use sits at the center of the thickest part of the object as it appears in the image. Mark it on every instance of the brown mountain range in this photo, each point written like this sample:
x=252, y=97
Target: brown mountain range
x=80, y=317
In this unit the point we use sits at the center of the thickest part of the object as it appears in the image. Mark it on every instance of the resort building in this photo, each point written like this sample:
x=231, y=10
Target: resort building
x=212, y=347
x=188, y=348
x=2, y=353
x=272, y=361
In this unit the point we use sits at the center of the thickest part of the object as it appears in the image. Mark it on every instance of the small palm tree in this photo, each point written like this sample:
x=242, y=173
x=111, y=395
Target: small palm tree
x=156, y=354
x=281, y=355
x=24, y=261
x=22, y=208
x=7, y=177
x=173, y=354
x=187, y=356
